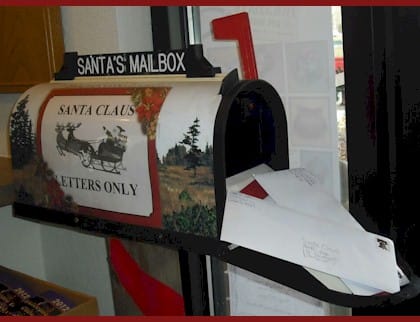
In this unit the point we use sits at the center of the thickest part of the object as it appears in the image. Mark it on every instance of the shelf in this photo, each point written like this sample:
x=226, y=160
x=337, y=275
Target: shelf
x=280, y=271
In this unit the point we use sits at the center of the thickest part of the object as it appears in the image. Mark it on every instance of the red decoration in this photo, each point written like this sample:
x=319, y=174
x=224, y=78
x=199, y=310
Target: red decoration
x=150, y=104
x=255, y=189
x=149, y=101
x=151, y=296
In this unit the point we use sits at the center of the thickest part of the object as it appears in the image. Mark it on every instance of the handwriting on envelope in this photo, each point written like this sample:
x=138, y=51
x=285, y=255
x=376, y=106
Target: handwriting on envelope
x=320, y=252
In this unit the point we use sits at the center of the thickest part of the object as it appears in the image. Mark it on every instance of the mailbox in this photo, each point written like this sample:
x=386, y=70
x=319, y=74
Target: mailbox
x=148, y=152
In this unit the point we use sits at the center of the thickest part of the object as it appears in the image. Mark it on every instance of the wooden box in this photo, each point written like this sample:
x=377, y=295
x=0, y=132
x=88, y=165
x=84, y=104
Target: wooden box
x=70, y=302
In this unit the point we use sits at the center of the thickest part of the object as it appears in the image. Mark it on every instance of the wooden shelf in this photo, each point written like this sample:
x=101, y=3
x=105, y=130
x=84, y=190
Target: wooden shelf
x=6, y=182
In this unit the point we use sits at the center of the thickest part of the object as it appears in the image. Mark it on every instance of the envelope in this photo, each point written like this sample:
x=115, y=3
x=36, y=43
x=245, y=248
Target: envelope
x=323, y=245
x=243, y=182
x=282, y=187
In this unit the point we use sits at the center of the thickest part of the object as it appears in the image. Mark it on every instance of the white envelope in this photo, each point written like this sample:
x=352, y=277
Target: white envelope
x=282, y=187
x=239, y=181
x=324, y=245
x=289, y=179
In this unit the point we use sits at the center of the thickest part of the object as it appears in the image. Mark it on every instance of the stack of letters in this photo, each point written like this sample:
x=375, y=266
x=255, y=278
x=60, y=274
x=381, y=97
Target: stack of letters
x=288, y=215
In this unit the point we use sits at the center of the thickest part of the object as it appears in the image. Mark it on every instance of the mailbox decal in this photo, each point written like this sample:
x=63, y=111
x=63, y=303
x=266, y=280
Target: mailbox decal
x=184, y=144
x=103, y=160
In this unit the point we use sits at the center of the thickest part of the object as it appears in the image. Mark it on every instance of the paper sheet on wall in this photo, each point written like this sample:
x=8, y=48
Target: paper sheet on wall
x=251, y=294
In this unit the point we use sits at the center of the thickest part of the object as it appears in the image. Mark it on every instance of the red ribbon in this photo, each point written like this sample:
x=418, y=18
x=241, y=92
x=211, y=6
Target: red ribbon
x=151, y=296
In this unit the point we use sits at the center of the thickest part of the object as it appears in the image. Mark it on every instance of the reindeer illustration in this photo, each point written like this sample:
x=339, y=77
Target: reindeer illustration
x=83, y=149
x=110, y=151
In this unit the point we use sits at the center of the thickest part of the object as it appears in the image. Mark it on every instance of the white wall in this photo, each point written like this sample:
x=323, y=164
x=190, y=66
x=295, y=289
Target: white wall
x=78, y=261
x=90, y=30
x=20, y=244
x=134, y=26
x=97, y=30
x=65, y=257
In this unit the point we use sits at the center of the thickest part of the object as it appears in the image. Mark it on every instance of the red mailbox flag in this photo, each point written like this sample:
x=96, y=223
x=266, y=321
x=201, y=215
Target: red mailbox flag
x=236, y=27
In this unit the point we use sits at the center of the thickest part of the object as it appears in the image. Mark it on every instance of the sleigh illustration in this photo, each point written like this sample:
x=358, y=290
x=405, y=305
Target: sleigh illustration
x=109, y=155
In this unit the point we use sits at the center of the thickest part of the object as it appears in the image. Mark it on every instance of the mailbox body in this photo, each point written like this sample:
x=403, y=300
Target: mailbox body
x=149, y=152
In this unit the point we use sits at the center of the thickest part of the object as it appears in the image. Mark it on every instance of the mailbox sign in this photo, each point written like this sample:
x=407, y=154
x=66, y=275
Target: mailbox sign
x=98, y=152
x=131, y=64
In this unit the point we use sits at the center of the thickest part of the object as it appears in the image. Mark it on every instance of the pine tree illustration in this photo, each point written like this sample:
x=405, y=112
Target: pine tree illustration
x=208, y=156
x=193, y=156
x=21, y=137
